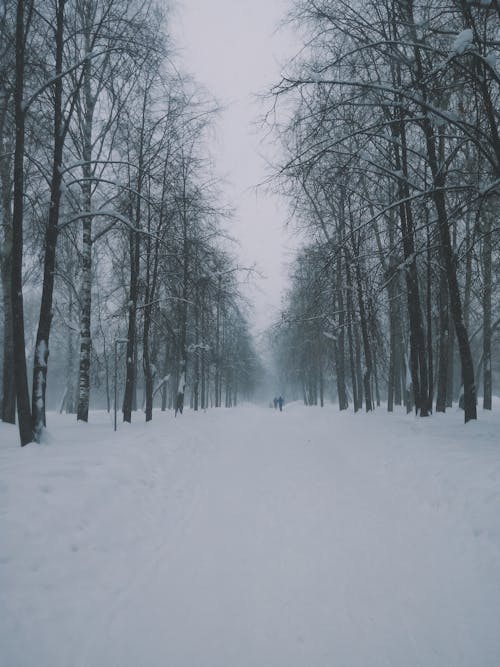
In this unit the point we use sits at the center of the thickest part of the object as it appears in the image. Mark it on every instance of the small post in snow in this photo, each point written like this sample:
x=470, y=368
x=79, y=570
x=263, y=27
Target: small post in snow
x=117, y=341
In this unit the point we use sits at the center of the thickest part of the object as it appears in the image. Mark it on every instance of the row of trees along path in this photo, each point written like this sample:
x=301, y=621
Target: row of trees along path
x=389, y=123
x=109, y=204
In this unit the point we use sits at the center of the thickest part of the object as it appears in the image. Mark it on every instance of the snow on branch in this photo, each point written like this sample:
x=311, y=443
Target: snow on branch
x=101, y=212
x=51, y=81
x=463, y=41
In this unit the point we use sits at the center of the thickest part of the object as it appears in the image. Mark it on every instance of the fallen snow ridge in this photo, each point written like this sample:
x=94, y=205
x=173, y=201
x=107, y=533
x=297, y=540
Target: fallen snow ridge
x=252, y=538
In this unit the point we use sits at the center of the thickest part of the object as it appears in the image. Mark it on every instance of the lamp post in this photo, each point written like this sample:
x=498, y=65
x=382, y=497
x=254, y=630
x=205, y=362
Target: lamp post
x=117, y=342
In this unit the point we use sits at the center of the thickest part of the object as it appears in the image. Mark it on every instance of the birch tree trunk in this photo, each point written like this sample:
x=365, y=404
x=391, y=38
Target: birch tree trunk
x=86, y=287
x=152, y=265
x=38, y=403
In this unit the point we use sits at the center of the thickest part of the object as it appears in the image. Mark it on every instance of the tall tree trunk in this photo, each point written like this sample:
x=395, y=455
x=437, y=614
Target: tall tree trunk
x=417, y=360
x=85, y=317
x=146, y=360
x=38, y=402
x=86, y=288
x=450, y=382
x=453, y=287
x=8, y=384
x=235, y=394
x=468, y=268
x=399, y=361
x=164, y=391
x=430, y=360
x=70, y=358
x=320, y=374
x=196, y=377
x=148, y=372
x=366, y=341
x=456, y=310
x=353, y=342
x=130, y=378
x=108, y=388
x=375, y=378
x=393, y=379
x=217, y=344
x=438, y=196
x=24, y=419
x=340, y=342
x=183, y=310
x=444, y=343
x=486, y=256
x=129, y=398
x=203, y=363
x=152, y=265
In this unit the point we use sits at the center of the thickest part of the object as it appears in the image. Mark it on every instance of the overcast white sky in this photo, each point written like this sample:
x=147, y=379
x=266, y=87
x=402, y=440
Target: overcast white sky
x=233, y=49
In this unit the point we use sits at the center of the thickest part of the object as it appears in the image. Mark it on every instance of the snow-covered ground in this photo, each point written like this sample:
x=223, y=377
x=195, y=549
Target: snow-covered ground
x=250, y=538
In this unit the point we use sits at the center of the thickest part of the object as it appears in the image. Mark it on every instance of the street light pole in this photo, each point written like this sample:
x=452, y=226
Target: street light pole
x=117, y=341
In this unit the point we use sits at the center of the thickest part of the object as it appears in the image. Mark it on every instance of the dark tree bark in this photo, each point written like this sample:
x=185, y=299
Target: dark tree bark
x=486, y=256
x=70, y=359
x=340, y=342
x=430, y=360
x=146, y=356
x=450, y=382
x=353, y=344
x=320, y=375
x=444, y=343
x=183, y=307
x=24, y=419
x=417, y=358
x=453, y=287
x=203, y=372
x=417, y=361
x=131, y=330
x=438, y=197
x=196, y=371
x=134, y=253
x=217, y=344
x=367, y=375
x=394, y=379
x=151, y=281
x=8, y=384
x=164, y=391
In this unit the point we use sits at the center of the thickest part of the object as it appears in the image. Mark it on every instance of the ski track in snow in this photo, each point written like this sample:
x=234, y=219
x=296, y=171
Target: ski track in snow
x=247, y=538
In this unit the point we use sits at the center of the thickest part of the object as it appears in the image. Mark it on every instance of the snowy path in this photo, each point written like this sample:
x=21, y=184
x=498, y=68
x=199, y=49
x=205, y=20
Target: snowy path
x=249, y=538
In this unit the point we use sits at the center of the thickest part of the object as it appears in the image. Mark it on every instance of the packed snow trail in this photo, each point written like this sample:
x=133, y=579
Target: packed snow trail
x=250, y=538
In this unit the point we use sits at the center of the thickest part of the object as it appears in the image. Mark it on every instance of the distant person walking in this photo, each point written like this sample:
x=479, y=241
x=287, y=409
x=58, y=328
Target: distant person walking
x=280, y=403
x=275, y=401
